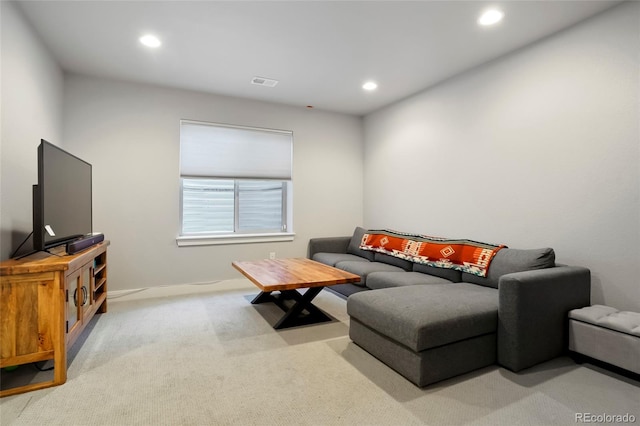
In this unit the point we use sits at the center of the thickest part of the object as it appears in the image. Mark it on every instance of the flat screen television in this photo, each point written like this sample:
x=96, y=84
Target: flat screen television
x=62, y=208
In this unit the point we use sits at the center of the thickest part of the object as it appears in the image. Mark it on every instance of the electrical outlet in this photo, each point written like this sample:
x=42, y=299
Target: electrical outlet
x=272, y=255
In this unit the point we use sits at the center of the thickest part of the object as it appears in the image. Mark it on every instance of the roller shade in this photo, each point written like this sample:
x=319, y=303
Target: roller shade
x=222, y=151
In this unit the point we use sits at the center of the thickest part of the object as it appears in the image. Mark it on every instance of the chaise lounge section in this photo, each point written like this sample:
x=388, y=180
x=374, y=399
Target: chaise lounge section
x=430, y=323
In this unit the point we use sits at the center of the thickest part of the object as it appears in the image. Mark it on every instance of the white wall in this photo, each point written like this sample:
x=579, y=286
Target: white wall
x=130, y=134
x=539, y=148
x=30, y=110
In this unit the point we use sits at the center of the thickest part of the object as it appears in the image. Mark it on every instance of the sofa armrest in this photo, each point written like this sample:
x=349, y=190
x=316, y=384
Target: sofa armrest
x=328, y=245
x=532, y=313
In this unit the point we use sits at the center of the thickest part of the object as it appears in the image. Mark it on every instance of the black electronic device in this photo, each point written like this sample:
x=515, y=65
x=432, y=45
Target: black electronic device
x=84, y=242
x=62, y=204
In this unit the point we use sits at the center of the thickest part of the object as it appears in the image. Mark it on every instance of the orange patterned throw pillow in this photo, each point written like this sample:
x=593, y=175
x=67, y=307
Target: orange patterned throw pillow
x=463, y=255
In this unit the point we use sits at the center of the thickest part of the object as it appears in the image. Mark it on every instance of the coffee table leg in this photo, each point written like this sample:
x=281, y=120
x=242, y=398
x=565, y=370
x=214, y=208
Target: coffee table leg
x=306, y=304
x=264, y=296
x=292, y=317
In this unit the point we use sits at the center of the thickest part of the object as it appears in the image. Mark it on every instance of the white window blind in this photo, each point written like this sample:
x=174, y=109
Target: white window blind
x=222, y=151
x=207, y=206
x=260, y=206
x=226, y=206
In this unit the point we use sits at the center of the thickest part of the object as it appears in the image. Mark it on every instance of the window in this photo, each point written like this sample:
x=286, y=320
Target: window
x=235, y=184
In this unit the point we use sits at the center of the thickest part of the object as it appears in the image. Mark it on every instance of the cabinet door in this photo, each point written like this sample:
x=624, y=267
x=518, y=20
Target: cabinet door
x=86, y=300
x=74, y=300
x=29, y=316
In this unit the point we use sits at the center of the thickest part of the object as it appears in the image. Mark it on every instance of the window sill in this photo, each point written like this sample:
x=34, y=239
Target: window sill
x=214, y=240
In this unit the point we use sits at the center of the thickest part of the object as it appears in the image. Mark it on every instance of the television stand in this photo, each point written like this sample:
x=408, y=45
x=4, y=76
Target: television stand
x=46, y=302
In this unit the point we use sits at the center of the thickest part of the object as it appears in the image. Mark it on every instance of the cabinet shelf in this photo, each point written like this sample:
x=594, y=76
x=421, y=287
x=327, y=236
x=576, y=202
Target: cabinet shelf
x=99, y=268
x=99, y=284
x=101, y=298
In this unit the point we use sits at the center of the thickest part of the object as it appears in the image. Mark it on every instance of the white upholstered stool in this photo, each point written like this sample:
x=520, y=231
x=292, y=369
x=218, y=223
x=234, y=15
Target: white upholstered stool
x=606, y=334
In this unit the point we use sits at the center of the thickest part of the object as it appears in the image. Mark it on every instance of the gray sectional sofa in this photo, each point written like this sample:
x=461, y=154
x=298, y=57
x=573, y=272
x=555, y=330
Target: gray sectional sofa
x=430, y=323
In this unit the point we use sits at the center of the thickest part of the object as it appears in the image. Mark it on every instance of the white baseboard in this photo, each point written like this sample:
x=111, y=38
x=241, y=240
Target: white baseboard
x=180, y=289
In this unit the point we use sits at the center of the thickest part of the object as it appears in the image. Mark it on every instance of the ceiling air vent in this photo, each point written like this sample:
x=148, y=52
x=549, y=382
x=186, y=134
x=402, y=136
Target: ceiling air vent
x=261, y=81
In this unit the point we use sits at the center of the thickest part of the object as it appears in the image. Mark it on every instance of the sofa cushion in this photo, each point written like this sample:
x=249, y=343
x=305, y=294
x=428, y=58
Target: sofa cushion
x=426, y=316
x=392, y=260
x=448, y=274
x=332, y=258
x=365, y=268
x=378, y=280
x=354, y=244
x=508, y=260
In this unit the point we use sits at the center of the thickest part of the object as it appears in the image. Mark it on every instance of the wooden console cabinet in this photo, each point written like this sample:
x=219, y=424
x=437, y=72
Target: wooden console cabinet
x=45, y=302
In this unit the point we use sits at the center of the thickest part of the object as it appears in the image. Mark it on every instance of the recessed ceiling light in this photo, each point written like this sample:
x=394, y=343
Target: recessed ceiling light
x=491, y=17
x=150, y=41
x=370, y=85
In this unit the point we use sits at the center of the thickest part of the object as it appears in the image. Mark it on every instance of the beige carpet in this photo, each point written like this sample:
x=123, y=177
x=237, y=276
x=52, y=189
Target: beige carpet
x=212, y=358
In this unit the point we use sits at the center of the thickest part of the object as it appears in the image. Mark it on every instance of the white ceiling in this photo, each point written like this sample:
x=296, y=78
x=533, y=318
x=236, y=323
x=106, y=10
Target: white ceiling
x=320, y=51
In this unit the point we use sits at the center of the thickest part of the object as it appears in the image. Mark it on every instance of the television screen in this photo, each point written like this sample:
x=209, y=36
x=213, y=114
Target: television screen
x=62, y=198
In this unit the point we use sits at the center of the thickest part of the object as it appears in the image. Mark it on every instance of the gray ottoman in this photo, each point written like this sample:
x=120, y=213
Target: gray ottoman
x=450, y=332
x=606, y=334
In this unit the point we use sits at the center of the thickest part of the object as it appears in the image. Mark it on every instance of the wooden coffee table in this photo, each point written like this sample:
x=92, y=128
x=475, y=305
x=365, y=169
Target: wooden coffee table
x=286, y=276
